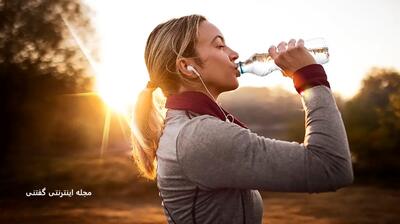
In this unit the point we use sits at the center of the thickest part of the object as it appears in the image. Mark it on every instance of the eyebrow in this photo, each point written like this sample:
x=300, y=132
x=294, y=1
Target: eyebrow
x=218, y=36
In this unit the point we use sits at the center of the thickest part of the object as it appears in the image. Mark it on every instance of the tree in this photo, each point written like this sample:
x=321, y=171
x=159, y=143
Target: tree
x=38, y=60
x=372, y=121
x=33, y=37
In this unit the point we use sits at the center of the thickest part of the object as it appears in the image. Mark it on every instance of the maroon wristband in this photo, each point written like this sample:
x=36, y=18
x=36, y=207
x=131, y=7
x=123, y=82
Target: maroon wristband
x=310, y=76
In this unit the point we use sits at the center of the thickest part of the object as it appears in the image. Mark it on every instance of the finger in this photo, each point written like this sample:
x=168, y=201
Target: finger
x=282, y=47
x=291, y=44
x=300, y=43
x=272, y=52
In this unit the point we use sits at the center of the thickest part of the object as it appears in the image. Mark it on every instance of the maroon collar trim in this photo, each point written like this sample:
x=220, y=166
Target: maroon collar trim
x=199, y=103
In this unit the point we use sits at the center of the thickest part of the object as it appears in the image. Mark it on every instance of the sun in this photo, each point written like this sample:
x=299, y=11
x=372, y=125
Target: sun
x=116, y=88
x=114, y=75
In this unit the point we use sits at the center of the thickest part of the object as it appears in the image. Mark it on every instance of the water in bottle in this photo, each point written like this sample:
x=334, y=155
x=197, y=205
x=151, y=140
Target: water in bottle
x=262, y=64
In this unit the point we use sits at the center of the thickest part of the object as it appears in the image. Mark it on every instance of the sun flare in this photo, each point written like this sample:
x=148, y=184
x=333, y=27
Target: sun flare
x=113, y=75
x=117, y=89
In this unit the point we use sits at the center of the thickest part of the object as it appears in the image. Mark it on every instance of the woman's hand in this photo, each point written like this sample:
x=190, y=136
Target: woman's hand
x=291, y=56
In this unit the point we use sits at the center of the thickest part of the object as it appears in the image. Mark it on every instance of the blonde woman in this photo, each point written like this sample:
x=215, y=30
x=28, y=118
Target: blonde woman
x=209, y=166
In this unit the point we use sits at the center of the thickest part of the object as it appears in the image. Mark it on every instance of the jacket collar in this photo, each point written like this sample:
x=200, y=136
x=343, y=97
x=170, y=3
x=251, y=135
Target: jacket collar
x=199, y=103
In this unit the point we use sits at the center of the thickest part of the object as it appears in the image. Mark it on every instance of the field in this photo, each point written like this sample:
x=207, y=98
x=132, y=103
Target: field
x=120, y=197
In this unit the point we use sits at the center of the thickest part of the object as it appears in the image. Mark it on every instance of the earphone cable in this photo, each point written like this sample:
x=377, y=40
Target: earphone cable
x=223, y=112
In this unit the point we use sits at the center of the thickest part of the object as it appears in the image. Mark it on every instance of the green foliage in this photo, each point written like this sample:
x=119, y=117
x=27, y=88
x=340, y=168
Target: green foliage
x=34, y=38
x=39, y=61
x=372, y=119
x=40, y=65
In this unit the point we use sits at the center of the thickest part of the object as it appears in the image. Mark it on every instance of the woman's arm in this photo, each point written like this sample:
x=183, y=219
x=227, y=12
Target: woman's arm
x=217, y=154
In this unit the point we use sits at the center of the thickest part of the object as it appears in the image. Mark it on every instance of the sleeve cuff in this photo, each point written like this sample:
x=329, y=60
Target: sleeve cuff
x=310, y=76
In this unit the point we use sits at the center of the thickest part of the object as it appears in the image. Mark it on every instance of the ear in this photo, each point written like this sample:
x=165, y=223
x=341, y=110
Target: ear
x=181, y=66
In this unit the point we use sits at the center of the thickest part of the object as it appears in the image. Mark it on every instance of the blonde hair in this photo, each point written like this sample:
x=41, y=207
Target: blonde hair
x=168, y=42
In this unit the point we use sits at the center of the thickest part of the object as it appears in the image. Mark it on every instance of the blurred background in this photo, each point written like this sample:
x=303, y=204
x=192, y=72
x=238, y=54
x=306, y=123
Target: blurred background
x=70, y=70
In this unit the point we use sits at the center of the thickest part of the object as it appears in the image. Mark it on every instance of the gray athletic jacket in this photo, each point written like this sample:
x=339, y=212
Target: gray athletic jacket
x=211, y=171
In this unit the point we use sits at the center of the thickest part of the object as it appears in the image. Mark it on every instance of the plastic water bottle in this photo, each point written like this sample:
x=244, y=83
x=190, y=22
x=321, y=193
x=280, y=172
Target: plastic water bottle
x=262, y=64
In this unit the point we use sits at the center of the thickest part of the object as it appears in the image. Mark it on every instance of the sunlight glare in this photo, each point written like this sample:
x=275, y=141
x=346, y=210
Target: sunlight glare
x=115, y=87
x=113, y=77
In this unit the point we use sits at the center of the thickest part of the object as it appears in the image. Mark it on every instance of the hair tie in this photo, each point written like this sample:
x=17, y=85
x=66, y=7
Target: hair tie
x=151, y=85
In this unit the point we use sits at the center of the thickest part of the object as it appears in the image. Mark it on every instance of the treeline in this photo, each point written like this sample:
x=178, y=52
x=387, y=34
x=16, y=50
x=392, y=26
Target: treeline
x=372, y=119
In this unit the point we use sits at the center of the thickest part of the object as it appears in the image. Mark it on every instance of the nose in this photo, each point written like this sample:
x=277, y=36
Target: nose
x=233, y=55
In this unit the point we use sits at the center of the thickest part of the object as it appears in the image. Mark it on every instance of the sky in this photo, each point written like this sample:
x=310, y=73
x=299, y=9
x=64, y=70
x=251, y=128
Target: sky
x=359, y=34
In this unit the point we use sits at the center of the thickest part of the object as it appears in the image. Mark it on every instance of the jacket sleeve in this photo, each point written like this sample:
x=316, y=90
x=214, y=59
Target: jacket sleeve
x=217, y=154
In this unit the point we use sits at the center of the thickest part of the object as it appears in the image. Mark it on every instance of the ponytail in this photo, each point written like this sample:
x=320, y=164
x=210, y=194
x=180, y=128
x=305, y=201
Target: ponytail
x=146, y=131
x=169, y=41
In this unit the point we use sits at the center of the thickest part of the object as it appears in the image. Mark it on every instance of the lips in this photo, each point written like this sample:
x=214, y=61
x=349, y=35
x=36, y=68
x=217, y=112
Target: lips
x=237, y=73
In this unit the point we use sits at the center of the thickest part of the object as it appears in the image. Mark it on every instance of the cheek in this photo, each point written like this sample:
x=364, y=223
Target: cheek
x=226, y=79
x=222, y=71
x=218, y=69
x=220, y=63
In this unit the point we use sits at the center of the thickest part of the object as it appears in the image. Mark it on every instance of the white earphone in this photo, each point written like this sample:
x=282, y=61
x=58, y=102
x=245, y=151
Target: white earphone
x=191, y=68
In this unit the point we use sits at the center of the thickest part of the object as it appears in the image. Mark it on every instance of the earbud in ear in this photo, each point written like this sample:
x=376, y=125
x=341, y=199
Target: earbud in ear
x=190, y=68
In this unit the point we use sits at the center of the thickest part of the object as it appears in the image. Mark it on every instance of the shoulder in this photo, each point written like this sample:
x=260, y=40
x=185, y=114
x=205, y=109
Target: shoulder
x=201, y=129
x=207, y=145
x=206, y=137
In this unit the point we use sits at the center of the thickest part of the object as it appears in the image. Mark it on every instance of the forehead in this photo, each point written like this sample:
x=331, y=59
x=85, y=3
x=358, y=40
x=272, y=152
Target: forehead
x=207, y=32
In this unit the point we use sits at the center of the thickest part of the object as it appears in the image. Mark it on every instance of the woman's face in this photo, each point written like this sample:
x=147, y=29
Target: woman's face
x=218, y=70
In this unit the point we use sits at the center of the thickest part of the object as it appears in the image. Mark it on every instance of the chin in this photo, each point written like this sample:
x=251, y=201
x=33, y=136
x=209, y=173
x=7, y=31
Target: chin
x=231, y=87
x=236, y=84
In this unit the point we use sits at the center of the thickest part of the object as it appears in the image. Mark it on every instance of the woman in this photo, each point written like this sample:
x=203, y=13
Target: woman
x=209, y=166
